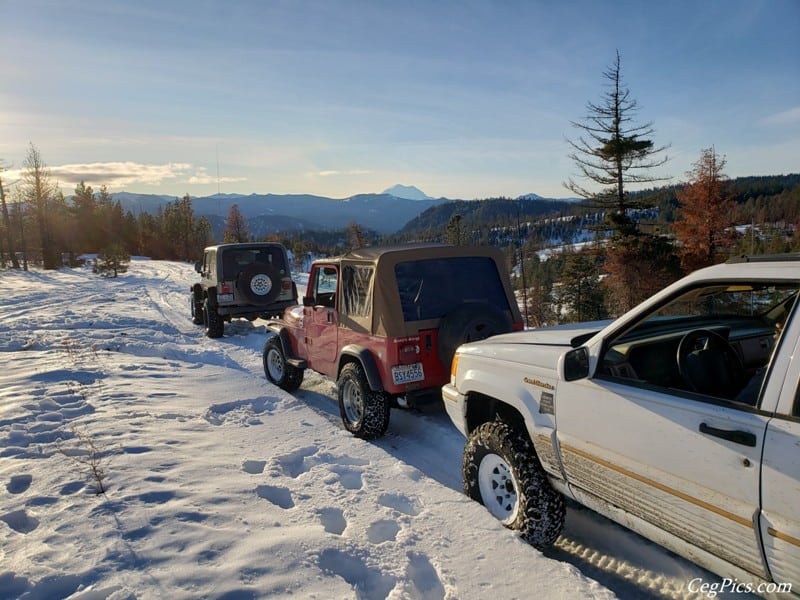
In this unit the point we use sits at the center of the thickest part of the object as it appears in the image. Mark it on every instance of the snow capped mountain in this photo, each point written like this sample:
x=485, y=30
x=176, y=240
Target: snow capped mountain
x=409, y=192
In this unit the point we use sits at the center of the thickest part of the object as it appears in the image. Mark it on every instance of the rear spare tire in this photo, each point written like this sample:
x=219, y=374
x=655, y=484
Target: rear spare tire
x=469, y=323
x=259, y=283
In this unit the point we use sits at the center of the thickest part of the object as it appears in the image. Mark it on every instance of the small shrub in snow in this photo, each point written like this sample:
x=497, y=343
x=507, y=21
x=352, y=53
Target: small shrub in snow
x=88, y=455
x=112, y=262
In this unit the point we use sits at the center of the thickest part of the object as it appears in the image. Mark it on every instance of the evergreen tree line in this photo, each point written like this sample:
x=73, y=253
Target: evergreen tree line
x=41, y=226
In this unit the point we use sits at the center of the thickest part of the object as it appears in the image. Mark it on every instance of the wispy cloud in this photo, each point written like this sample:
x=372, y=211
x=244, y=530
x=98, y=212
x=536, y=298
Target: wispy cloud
x=337, y=173
x=201, y=177
x=786, y=117
x=117, y=175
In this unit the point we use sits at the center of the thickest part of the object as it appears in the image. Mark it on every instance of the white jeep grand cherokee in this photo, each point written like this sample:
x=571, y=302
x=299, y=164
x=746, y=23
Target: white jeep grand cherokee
x=679, y=420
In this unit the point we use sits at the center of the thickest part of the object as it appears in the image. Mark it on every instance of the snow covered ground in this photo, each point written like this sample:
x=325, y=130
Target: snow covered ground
x=220, y=485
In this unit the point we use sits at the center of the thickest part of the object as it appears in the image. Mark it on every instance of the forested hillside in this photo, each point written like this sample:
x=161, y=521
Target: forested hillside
x=558, y=250
x=763, y=199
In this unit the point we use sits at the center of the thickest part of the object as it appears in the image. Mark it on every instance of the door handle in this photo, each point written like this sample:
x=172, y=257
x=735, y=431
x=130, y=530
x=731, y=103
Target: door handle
x=745, y=438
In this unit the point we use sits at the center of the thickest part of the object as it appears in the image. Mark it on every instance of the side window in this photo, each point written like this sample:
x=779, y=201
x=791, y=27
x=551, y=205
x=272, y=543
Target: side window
x=325, y=282
x=712, y=342
x=356, y=288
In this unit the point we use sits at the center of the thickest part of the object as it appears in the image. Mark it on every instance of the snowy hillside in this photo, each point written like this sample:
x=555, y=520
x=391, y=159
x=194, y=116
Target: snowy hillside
x=220, y=485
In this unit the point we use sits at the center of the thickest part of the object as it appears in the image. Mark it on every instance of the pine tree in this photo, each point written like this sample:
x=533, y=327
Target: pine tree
x=615, y=153
x=580, y=294
x=235, y=226
x=704, y=219
x=112, y=261
x=84, y=210
x=453, y=233
x=7, y=228
x=355, y=235
x=39, y=192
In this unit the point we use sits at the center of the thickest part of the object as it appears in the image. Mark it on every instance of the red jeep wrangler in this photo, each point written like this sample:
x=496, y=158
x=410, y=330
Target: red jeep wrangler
x=385, y=323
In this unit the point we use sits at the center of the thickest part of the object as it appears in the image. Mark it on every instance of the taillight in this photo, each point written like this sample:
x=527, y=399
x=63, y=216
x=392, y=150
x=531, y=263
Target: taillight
x=287, y=284
x=225, y=288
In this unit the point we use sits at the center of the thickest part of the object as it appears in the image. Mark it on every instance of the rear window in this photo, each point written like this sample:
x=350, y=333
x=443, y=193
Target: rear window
x=431, y=288
x=237, y=259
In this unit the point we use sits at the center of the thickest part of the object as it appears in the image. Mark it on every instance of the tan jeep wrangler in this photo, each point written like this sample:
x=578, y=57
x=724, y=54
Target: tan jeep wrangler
x=247, y=280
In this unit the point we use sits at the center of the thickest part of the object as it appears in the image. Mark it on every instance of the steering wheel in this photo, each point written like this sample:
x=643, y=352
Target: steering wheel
x=709, y=365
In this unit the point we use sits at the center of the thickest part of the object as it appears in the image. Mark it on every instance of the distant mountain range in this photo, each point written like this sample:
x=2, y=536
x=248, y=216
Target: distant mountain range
x=385, y=213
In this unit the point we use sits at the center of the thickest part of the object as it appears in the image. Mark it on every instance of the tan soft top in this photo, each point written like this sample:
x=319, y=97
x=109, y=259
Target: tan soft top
x=387, y=314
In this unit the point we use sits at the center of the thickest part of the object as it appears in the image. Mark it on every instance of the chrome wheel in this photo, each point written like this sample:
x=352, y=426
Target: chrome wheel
x=275, y=364
x=352, y=402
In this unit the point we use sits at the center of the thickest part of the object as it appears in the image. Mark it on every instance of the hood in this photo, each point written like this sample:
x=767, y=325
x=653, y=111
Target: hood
x=570, y=335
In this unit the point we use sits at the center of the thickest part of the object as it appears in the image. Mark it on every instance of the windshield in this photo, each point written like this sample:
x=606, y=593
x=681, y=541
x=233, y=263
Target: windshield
x=732, y=300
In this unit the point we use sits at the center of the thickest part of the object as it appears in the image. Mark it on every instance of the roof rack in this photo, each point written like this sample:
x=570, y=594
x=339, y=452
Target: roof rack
x=786, y=257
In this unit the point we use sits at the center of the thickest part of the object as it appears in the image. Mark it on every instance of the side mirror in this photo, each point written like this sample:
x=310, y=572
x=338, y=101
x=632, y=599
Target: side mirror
x=576, y=364
x=308, y=301
x=198, y=266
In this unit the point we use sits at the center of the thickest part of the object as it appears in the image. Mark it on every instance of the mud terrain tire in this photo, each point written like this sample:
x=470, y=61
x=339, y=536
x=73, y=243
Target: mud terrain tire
x=197, y=309
x=502, y=472
x=364, y=412
x=214, y=323
x=277, y=370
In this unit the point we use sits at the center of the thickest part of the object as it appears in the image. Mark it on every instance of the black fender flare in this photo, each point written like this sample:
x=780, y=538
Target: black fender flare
x=367, y=361
x=197, y=291
x=286, y=344
x=283, y=336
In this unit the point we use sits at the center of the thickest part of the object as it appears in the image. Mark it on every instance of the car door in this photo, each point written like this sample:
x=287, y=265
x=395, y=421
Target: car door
x=321, y=319
x=639, y=439
x=780, y=472
x=690, y=468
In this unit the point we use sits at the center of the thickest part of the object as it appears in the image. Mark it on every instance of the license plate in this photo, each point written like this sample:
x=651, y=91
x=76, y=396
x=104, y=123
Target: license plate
x=407, y=373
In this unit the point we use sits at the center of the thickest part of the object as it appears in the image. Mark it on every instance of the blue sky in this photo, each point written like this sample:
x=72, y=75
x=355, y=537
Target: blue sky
x=463, y=99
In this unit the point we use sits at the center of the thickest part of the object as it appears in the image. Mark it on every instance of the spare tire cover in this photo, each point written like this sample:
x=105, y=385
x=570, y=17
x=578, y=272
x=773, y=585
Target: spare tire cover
x=469, y=323
x=259, y=283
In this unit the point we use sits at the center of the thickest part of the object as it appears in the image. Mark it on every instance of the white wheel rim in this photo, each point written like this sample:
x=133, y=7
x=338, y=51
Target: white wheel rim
x=261, y=284
x=353, y=402
x=498, y=488
x=275, y=364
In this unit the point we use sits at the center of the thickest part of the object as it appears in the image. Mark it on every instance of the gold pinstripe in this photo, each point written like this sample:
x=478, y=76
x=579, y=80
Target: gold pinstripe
x=686, y=497
x=783, y=536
